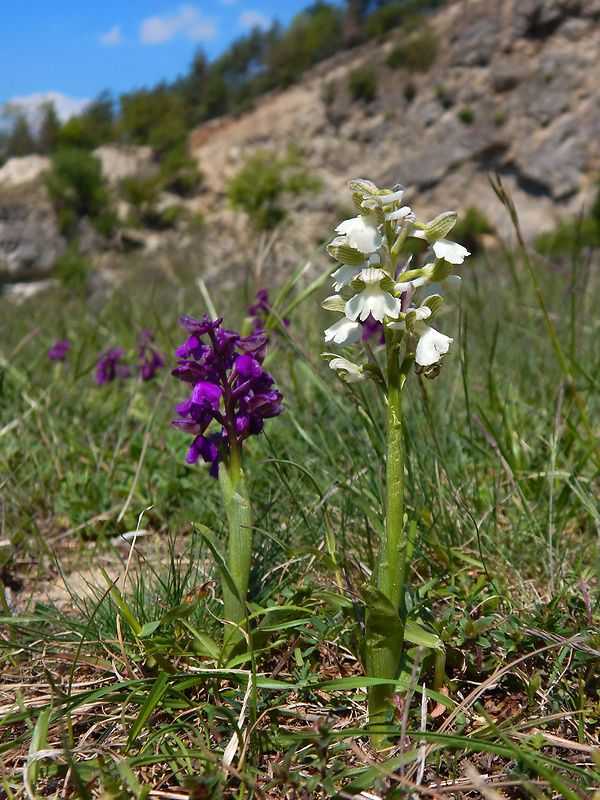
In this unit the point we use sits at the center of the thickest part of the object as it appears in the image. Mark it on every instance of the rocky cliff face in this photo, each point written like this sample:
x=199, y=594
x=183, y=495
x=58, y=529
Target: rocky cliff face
x=29, y=238
x=30, y=241
x=515, y=86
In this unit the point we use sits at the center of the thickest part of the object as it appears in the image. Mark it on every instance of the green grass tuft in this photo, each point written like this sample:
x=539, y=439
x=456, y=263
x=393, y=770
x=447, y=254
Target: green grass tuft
x=113, y=686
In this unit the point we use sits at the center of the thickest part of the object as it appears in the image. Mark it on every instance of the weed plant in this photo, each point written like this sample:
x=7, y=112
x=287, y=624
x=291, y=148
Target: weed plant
x=119, y=693
x=362, y=83
x=417, y=54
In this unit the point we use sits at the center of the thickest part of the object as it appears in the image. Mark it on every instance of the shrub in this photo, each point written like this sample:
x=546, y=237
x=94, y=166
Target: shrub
x=140, y=193
x=499, y=119
x=313, y=35
x=106, y=223
x=410, y=91
x=388, y=16
x=170, y=217
x=179, y=172
x=466, y=115
x=93, y=127
x=446, y=98
x=76, y=188
x=196, y=221
x=417, y=54
x=260, y=186
x=362, y=83
x=72, y=267
x=143, y=195
x=21, y=141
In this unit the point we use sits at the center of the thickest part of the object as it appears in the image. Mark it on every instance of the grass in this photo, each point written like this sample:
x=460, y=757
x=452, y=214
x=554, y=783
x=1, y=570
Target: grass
x=118, y=692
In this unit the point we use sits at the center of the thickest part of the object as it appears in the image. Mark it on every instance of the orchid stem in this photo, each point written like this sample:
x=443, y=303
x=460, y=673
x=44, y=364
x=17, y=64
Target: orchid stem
x=383, y=652
x=237, y=509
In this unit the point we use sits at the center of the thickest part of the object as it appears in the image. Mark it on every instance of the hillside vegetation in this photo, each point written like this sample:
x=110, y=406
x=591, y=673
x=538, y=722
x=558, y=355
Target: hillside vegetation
x=253, y=65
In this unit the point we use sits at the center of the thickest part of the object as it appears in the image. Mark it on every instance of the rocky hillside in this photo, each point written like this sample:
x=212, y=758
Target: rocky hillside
x=481, y=85
x=515, y=86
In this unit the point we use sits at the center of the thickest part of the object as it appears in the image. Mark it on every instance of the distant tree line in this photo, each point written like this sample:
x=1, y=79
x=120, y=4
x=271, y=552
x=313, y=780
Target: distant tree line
x=253, y=65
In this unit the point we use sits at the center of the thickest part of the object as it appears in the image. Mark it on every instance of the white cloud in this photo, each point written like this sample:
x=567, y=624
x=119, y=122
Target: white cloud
x=30, y=106
x=113, y=36
x=252, y=19
x=187, y=22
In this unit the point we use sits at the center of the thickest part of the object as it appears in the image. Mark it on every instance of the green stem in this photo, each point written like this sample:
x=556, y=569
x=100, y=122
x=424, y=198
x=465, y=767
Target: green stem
x=384, y=651
x=390, y=573
x=237, y=509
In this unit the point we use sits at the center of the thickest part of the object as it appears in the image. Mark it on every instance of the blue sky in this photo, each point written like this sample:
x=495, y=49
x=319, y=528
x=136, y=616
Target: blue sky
x=78, y=48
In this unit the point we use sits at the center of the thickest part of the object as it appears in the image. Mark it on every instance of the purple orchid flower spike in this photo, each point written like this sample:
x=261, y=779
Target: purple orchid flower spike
x=229, y=388
x=109, y=367
x=149, y=359
x=59, y=350
x=231, y=396
x=260, y=311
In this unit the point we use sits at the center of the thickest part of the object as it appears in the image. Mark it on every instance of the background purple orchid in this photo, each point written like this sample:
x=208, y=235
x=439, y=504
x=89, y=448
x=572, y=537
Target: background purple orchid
x=59, y=350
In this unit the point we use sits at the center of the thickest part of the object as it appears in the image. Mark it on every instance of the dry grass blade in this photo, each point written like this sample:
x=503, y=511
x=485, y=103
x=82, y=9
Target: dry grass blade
x=476, y=693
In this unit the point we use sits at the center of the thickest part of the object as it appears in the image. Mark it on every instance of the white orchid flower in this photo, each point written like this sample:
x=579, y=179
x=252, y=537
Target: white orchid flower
x=373, y=299
x=392, y=197
x=452, y=252
x=407, y=286
x=344, y=275
x=432, y=344
x=347, y=273
x=361, y=233
x=344, y=332
x=421, y=313
x=399, y=214
x=347, y=370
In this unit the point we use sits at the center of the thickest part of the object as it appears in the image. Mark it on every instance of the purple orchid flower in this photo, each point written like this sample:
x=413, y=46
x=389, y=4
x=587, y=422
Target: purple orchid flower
x=260, y=311
x=229, y=388
x=108, y=367
x=59, y=350
x=149, y=359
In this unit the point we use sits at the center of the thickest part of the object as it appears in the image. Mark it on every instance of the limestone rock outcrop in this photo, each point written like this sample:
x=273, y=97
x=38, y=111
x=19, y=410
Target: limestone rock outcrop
x=29, y=239
x=515, y=87
x=24, y=169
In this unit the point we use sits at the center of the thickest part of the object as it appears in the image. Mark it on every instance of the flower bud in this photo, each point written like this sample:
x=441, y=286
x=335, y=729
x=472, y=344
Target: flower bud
x=348, y=371
x=334, y=303
x=439, y=270
x=440, y=226
x=342, y=252
x=362, y=186
x=434, y=302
